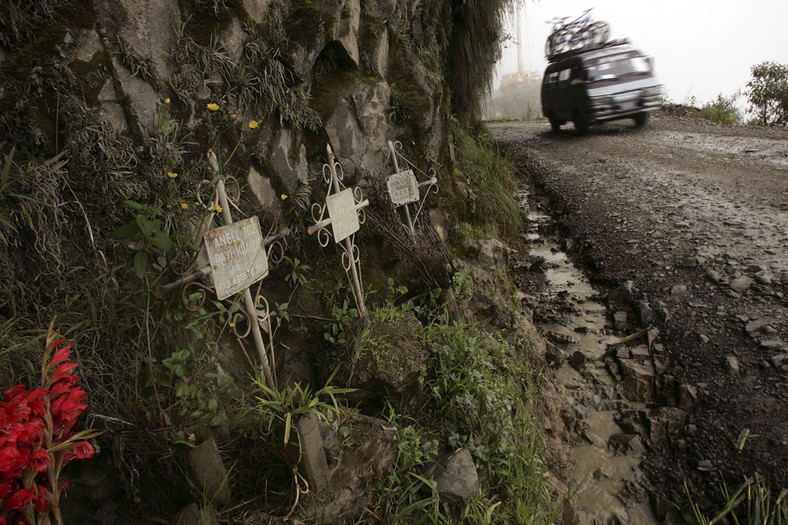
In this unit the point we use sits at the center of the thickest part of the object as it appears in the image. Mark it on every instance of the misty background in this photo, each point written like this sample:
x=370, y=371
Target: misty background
x=701, y=48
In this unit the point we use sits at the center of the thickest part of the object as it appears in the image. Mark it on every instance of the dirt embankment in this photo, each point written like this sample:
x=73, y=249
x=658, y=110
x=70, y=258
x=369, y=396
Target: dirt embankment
x=696, y=217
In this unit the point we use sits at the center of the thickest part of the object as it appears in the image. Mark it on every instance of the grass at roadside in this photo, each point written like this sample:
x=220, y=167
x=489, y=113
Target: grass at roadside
x=477, y=393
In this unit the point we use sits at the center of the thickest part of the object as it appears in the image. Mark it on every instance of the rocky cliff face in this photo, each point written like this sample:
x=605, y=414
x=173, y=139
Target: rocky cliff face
x=353, y=73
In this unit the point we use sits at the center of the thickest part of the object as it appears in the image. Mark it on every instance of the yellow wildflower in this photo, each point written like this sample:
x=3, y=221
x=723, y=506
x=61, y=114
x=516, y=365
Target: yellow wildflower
x=224, y=102
x=232, y=325
x=218, y=209
x=213, y=107
x=167, y=100
x=253, y=124
x=184, y=205
x=283, y=196
x=172, y=174
x=233, y=115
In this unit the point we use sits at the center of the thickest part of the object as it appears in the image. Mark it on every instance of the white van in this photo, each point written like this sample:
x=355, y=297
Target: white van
x=610, y=82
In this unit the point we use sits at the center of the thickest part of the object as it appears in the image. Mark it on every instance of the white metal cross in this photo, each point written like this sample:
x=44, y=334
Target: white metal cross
x=344, y=212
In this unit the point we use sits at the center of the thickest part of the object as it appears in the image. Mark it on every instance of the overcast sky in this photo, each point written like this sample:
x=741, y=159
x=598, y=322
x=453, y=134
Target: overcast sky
x=701, y=47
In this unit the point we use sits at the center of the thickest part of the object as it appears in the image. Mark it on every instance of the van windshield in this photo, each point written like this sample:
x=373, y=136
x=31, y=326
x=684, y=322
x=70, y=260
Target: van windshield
x=610, y=68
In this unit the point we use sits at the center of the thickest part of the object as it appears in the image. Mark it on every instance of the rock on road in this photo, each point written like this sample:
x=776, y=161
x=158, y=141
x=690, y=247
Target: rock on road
x=696, y=216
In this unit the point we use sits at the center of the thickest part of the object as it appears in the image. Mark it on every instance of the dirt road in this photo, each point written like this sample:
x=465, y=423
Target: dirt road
x=695, y=217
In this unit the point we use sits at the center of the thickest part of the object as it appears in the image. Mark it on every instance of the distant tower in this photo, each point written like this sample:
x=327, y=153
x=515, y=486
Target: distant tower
x=520, y=66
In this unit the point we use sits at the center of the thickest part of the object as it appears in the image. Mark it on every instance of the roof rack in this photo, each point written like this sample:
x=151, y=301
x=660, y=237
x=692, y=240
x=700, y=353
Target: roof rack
x=586, y=49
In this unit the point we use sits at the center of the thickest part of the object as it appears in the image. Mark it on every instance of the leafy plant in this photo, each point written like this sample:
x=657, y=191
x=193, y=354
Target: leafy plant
x=722, y=110
x=279, y=411
x=298, y=271
x=754, y=495
x=192, y=396
x=147, y=233
x=343, y=315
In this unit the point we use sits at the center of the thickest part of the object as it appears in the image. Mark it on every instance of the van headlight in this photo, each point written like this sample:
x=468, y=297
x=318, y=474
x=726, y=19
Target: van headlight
x=602, y=102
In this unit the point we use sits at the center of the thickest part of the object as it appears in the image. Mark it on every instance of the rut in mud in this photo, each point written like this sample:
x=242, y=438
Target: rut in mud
x=684, y=225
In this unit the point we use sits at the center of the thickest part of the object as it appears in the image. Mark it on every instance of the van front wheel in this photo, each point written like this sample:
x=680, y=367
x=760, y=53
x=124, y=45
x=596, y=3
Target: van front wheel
x=641, y=119
x=555, y=125
x=581, y=124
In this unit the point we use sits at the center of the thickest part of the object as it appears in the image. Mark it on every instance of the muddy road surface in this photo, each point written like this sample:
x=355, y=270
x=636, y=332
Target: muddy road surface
x=683, y=228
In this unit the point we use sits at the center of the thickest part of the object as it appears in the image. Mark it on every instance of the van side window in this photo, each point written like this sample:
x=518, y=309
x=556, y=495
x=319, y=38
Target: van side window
x=563, y=76
x=552, y=78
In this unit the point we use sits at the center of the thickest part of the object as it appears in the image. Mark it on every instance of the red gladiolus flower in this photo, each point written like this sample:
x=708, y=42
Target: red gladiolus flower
x=83, y=450
x=61, y=355
x=39, y=460
x=63, y=371
x=19, y=499
x=14, y=391
x=27, y=419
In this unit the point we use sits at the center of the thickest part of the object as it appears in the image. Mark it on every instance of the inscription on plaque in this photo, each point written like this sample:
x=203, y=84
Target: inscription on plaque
x=403, y=188
x=342, y=211
x=237, y=256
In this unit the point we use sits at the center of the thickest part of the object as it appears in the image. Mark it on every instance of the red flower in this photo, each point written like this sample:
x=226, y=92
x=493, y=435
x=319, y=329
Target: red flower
x=5, y=488
x=62, y=386
x=19, y=499
x=62, y=354
x=83, y=450
x=63, y=371
x=39, y=460
x=14, y=391
x=55, y=344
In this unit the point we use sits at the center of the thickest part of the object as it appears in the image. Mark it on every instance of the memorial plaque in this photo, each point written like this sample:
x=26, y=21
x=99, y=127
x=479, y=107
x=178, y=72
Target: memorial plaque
x=403, y=188
x=342, y=211
x=237, y=256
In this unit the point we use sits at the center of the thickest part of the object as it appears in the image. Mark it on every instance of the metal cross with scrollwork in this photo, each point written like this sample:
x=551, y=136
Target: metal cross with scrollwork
x=238, y=258
x=344, y=212
x=403, y=186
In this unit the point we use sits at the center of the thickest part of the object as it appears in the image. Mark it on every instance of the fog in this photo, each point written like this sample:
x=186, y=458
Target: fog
x=701, y=48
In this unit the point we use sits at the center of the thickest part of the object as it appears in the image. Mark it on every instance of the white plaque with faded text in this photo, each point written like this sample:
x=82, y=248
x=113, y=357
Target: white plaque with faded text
x=403, y=188
x=237, y=256
x=343, y=214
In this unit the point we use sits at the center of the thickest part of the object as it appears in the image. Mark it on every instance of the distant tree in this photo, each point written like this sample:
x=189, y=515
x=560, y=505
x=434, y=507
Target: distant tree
x=768, y=93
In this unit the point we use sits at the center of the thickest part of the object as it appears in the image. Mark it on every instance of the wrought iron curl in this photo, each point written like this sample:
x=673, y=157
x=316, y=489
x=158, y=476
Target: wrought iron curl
x=233, y=191
x=351, y=260
x=318, y=211
x=324, y=237
x=190, y=289
x=240, y=316
x=276, y=252
x=180, y=263
x=327, y=174
x=214, y=200
x=358, y=196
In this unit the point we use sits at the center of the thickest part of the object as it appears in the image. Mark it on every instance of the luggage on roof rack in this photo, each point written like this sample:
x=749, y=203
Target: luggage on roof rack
x=579, y=34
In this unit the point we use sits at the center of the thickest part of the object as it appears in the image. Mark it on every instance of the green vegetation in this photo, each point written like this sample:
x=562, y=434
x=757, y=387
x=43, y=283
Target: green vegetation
x=722, y=110
x=751, y=503
x=474, y=47
x=767, y=92
x=476, y=393
x=491, y=179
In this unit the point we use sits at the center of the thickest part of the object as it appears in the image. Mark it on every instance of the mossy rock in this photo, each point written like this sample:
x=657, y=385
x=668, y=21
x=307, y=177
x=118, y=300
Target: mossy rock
x=387, y=355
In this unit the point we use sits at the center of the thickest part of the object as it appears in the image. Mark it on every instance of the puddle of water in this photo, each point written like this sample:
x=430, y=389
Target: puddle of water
x=581, y=327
